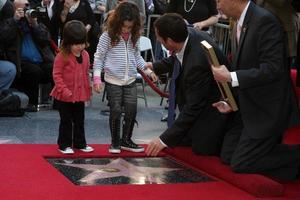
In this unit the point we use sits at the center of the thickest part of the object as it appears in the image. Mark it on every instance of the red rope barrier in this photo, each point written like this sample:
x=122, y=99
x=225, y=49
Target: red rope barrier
x=152, y=85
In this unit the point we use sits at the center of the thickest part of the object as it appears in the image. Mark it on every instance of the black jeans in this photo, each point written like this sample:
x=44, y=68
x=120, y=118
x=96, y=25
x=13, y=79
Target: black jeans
x=121, y=97
x=71, y=127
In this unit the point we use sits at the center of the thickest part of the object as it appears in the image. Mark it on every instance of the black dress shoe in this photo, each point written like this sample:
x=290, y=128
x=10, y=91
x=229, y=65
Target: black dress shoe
x=298, y=175
x=31, y=108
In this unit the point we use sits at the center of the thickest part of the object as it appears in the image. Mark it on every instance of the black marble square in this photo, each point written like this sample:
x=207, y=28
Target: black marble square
x=139, y=170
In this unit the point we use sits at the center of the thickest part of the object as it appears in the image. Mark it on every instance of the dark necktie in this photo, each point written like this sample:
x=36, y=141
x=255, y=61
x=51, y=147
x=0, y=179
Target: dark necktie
x=172, y=91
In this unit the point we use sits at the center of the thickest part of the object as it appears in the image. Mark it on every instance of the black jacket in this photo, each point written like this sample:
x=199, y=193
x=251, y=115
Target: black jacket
x=8, y=28
x=196, y=90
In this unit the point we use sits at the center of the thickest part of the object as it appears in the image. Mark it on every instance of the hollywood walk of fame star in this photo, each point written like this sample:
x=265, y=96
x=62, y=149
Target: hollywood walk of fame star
x=120, y=167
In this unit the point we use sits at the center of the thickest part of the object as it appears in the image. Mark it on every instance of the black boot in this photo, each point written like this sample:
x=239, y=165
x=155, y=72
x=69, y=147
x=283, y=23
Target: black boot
x=115, y=135
x=126, y=142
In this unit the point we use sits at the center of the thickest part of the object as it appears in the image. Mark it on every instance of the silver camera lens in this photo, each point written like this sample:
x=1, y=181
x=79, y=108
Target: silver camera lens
x=31, y=13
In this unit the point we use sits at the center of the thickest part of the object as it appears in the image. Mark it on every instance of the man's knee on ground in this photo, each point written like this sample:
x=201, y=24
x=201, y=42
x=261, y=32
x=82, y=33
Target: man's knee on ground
x=240, y=167
x=205, y=151
x=225, y=158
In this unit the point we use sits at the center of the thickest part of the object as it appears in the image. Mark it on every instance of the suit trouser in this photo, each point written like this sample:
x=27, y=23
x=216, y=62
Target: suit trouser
x=265, y=156
x=71, y=126
x=31, y=76
x=207, y=133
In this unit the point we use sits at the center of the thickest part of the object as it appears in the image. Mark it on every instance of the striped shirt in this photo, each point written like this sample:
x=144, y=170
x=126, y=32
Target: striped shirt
x=119, y=62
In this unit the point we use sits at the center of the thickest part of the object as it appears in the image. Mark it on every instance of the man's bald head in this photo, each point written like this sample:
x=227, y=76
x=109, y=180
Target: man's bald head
x=20, y=3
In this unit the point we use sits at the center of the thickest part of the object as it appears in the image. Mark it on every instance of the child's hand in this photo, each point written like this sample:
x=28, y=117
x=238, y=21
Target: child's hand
x=97, y=88
x=149, y=65
x=153, y=77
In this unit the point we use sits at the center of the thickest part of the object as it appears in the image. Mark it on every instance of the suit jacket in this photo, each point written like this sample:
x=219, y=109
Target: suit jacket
x=266, y=98
x=196, y=90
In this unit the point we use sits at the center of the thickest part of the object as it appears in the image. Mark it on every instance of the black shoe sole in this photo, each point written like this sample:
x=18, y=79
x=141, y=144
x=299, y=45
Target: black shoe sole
x=133, y=150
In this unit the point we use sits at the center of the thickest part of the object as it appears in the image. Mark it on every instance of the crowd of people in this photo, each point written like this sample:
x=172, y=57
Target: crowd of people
x=263, y=49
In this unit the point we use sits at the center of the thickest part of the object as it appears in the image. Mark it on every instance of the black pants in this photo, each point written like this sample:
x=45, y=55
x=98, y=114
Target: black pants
x=206, y=136
x=265, y=156
x=31, y=76
x=118, y=97
x=71, y=127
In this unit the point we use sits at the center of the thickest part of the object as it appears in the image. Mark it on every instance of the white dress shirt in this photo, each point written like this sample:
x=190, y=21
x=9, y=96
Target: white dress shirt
x=234, y=79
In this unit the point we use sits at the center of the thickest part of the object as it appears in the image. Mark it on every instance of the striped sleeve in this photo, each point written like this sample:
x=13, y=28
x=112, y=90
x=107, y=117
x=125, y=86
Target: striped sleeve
x=101, y=53
x=139, y=59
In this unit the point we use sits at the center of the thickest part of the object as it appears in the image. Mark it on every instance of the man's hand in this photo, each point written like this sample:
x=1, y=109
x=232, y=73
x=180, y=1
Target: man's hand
x=46, y=2
x=32, y=21
x=153, y=77
x=19, y=13
x=221, y=73
x=154, y=147
x=222, y=106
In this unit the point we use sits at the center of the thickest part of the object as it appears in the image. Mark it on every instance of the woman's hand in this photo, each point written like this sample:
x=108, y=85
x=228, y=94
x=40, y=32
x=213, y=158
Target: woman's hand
x=88, y=27
x=199, y=25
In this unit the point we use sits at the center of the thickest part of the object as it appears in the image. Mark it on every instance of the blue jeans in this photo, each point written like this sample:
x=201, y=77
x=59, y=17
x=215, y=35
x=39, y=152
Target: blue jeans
x=7, y=74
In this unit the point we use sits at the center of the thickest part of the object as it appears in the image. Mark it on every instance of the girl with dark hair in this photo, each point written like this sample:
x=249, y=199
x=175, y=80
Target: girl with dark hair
x=118, y=54
x=72, y=87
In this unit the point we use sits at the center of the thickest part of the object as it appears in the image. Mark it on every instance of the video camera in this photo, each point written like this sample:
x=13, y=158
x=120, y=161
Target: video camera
x=30, y=12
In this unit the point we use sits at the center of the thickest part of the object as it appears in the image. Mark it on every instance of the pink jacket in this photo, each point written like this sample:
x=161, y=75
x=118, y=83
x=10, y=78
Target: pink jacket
x=72, y=83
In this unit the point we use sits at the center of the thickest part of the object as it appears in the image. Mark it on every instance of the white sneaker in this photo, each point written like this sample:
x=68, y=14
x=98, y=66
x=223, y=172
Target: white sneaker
x=87, y=149
x=113, y=149
x=67, y=150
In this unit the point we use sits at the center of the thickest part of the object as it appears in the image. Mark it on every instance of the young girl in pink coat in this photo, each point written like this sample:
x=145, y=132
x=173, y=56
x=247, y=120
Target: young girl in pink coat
x=72, y=88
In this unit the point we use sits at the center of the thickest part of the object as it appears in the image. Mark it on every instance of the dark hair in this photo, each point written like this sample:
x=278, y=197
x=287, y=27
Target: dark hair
x=171, y=25
x=74, y=32
x=125, y=11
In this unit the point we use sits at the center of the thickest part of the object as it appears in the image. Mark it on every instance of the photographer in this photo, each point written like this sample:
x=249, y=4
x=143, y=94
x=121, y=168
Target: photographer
x=33, y=56
x=8, y=34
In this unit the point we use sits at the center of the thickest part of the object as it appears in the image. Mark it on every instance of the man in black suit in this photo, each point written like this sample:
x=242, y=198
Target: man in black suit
x=261, y=83
x=196, y=89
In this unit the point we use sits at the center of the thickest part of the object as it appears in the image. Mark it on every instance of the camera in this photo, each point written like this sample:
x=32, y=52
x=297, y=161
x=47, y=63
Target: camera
x=30, y=12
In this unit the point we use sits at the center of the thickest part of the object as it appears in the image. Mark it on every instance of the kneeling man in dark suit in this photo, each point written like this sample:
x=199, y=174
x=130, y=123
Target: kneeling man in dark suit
x=198, y=123
x=261, y=83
